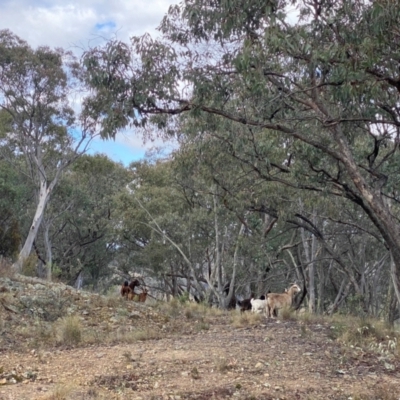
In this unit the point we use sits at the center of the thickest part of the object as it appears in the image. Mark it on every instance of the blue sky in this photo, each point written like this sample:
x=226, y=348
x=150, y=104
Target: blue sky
x=76, y=25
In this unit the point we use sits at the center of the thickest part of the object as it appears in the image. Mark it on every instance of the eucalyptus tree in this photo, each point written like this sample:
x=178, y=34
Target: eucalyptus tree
x=38, y=89
x=180, y=234
x=204, y=170
x=82, y=219
x=154, y=233
x=323, y=80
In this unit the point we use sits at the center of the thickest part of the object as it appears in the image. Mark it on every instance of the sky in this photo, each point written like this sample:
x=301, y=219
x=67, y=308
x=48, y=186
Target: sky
x=77, y=24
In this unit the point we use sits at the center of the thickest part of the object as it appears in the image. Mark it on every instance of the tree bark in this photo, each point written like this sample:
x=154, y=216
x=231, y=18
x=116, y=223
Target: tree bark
x=34, y=228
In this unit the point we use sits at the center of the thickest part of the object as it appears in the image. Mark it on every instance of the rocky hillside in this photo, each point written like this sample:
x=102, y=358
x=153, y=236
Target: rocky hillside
x=31, y=310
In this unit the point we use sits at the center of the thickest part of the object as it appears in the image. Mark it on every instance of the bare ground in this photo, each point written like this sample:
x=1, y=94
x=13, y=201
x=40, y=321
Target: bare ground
x=205, y=358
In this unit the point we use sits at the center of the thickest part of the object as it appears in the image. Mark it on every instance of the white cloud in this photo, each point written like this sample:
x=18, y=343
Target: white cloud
x=77, y=25
x=59, y=23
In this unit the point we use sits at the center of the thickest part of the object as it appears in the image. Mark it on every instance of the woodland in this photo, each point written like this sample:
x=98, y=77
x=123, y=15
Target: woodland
x=286, y=119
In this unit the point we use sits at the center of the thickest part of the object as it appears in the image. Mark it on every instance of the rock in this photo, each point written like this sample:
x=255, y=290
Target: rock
x=134, y=314
x=389, y=367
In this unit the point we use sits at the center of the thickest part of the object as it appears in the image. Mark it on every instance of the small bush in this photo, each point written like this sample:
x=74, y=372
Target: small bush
x=223, y=365
x=29, y=266
x=183, y=298
x=6, y=268
x=62, y=392
x=286, y=313
x=202, y=326
x=71, y=330
x=189, y=314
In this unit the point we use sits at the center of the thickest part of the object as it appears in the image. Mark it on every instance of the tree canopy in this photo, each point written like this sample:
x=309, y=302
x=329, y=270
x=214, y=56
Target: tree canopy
x=317, y=79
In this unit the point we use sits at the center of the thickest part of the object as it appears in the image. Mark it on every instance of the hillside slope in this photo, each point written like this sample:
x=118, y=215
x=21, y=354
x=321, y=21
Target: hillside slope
x=133, y=351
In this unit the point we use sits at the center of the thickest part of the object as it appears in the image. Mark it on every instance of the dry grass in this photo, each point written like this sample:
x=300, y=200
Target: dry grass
x=70, y=331
x=68, y=392
x=188, y=310
x=307, y=318
x=29, y=266
x=6, y=269
x=368, y=334
x=141, y=335
x=360, y=332
x=224, y=365
x=384, y=391
x=246, y=319
x=287, y=313
x=61, y=392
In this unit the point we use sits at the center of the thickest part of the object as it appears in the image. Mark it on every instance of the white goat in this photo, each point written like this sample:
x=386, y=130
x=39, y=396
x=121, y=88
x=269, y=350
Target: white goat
x=258, y=306
x=276, y=301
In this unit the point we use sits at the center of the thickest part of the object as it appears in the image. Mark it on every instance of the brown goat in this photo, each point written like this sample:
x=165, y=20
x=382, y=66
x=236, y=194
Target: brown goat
x=276, y=301
x=143, y=296
x=133, y=296
x=133, y=284
x=125, y=290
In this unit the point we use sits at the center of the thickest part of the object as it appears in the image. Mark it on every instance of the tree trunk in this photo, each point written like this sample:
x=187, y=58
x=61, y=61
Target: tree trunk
x=375, y=207
x=49, y=253
x=310, y=252
x=395, y=278
x=33, y=231
x=231, y=292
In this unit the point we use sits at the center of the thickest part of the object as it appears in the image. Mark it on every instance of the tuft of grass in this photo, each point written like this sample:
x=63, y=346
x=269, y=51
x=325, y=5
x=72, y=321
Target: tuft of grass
x=189, y=313
x=6, y=268
x=195, y=373
x=144, y=334
x=223, y=365
x=177, y=308
x=61, y=392
x=286, y=314
x=94, y=336
x=246, y=319
x=202, y=326
x=308, y=318
x=70, y=330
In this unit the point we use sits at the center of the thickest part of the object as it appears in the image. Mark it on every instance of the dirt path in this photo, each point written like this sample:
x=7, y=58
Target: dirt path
x=274, y=360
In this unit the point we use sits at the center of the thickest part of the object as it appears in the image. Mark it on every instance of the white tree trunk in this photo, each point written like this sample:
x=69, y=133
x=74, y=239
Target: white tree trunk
x=33, y=231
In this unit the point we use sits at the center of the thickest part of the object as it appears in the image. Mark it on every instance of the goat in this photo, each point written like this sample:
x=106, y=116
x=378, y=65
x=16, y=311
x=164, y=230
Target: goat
x=258, y=305
x=245, y=304
x=133, y=284
x=143, y=296
x=276, y=301
x=128, y=289
x=125, y=289
x=133, y=296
